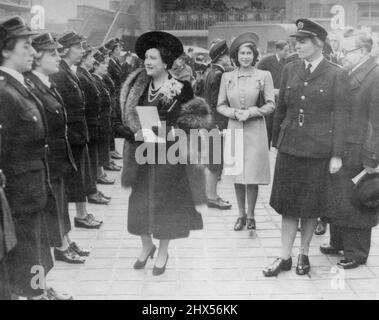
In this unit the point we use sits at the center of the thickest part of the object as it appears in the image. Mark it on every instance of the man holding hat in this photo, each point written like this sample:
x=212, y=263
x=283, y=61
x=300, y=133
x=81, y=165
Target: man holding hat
x=351, y=220
x=219, y=54
x=69, y=87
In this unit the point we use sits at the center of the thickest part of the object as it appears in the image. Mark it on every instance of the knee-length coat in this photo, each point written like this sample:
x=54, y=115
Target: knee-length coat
x=362, y=148
x=176, y=188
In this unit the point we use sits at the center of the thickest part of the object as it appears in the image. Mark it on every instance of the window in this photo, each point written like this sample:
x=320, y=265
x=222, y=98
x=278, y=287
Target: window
x=368, y=10
x=318, y=10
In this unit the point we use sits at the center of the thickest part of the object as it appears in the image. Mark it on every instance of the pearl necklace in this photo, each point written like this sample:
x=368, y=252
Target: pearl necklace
x=153, y=94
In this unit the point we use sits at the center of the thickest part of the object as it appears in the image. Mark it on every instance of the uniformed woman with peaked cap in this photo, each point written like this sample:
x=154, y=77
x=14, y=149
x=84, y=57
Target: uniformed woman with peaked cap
x=24, y=161
x=60, y=159
x=309, y=130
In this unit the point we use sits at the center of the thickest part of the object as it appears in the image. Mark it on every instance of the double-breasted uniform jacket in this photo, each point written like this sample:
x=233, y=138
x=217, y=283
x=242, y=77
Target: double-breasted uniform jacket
x=312, y=113
x=60, y=157
x=362, y=149
x=69, y=87
x=24, y=147
x=92, y=102
x=211, y=91
x=105, y=127
x=271, y=63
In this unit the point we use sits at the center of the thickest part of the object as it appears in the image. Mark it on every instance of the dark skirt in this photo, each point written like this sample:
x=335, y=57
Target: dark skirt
x=299, y=186
x=104, y=146
x=5, y=289
x=93, y=152
x=31, y=260
x=77, y=182
x=58, y=218
x=161, y=203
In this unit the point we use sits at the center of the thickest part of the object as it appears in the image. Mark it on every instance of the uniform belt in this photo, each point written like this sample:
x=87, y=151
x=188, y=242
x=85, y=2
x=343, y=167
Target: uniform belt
x=309, y=118
x=75, y=115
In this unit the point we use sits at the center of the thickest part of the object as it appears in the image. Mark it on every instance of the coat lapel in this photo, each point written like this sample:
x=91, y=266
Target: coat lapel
x=321, y=68
x=357, y=77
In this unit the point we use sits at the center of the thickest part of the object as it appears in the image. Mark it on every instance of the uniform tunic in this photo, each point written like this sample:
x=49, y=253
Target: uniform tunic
x=28, y=192
x=60, y=157
x=240, y=91
x=309, y=129
x=78, y=184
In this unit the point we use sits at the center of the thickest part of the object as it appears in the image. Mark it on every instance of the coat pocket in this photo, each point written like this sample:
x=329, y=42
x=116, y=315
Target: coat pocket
x=26, y=190
x=317, y=139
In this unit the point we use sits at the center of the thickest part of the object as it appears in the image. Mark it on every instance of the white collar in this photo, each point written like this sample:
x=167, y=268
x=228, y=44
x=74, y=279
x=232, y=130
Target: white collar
x=277, y=58
x=15, y=74
x=314, y=63
x=100, y=77
x=74, y=68
x=360, y=63
x=44, y=78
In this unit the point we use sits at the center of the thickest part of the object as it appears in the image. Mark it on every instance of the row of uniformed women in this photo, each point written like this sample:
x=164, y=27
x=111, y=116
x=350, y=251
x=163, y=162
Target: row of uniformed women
x=45, y=150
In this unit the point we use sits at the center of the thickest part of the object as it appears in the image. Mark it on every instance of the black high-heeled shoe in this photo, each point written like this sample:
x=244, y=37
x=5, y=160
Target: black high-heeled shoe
x=303, y=265
x=251, y=224
x=142, y=264
x=241, y=222
x=159, y=271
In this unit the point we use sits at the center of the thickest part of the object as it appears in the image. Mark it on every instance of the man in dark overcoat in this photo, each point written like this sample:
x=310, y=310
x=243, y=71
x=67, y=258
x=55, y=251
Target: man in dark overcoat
x=274, y=64
x=219, y=54
x=352, y=223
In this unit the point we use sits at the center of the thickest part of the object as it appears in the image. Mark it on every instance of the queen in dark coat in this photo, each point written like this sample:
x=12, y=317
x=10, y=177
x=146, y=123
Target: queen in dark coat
x=164, y=196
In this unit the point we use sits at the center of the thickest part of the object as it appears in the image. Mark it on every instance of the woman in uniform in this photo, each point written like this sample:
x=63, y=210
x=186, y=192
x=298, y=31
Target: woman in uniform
x=161, y=204
x=100, y=69
x=68, y=86
x=24, y=151
x=60, y=159
x=239, y=92
x=92, y=111
x=309, y=130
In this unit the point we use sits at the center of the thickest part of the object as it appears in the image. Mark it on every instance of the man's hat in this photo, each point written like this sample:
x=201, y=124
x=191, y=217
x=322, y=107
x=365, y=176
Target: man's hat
x=45, y=42
x=218, y=50
x=367, y=191
x=308, y=29
x=156, y=39
x=99, y=57
x=248, y=37
x=14, y=28
x=70, y=38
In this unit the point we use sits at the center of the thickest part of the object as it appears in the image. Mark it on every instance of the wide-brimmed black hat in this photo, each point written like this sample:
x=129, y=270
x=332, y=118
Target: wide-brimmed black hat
x=307, y=28
x=45, y=42
x=70, y=38
x=156, y=39
x=14, y=27
x=248, y=37
x=367, y=191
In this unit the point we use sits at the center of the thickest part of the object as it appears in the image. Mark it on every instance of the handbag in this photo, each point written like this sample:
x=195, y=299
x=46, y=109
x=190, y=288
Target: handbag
x=261, y=101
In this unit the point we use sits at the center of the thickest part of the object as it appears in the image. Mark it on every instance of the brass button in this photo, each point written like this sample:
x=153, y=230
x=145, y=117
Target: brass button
x=301, y=110
x=303, y=98
x=35, y=118
x=305, y=84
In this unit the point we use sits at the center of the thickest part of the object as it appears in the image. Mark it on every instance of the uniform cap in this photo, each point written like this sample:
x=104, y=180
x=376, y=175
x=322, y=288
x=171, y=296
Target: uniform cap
x=307, y=28
x=45, y=42
x=218, y=50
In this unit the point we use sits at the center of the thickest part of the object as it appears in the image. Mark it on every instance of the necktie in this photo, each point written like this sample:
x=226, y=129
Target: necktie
x=308, y=70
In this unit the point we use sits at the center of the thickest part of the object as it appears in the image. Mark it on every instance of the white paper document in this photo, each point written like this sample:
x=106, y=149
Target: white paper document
x=149, y=118
x=359, y=176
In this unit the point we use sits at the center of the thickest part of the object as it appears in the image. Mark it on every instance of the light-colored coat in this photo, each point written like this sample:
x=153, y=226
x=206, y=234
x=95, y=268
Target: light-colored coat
x=241, y=92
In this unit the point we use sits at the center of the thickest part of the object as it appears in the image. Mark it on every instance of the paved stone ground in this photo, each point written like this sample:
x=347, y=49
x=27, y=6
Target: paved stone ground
x=215, y=263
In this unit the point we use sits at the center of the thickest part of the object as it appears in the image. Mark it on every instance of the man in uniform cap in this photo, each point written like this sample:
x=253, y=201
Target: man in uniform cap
x=219, y=54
